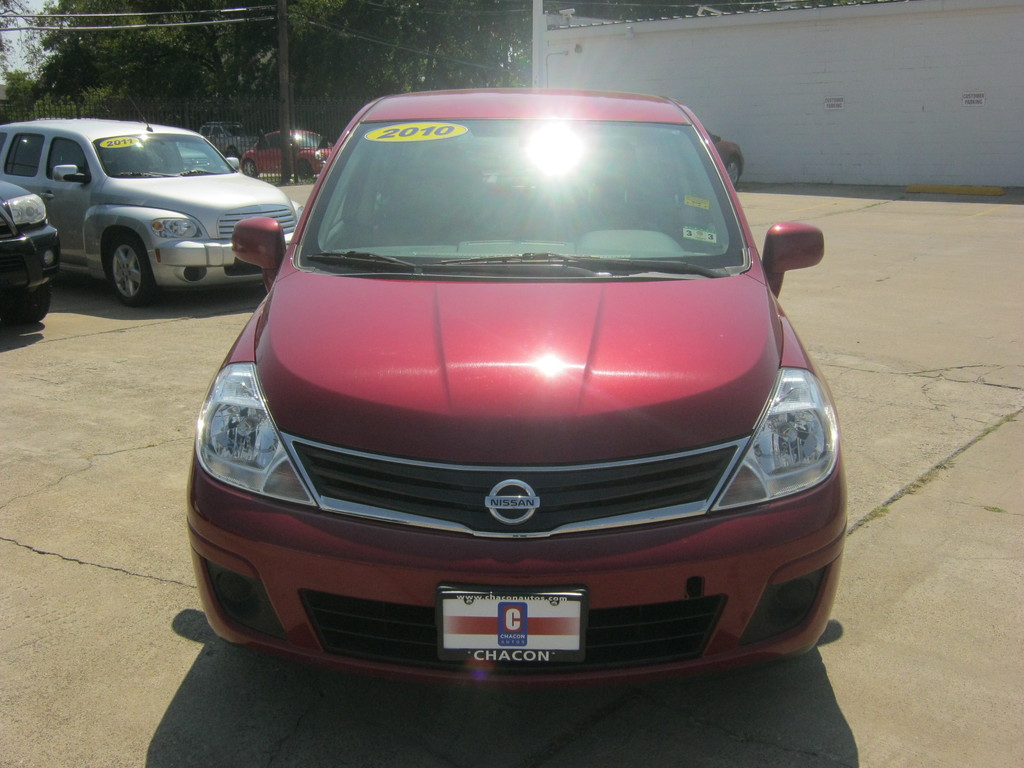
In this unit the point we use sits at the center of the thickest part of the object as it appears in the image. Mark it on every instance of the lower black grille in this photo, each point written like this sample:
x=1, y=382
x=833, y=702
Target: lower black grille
x=12, y=262
x=616, y=637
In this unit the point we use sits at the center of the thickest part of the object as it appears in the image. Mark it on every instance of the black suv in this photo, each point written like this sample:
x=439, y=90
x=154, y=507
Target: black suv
x=29, y=256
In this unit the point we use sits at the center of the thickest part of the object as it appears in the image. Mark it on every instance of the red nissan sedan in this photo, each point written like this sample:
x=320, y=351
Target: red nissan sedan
x=520, y=407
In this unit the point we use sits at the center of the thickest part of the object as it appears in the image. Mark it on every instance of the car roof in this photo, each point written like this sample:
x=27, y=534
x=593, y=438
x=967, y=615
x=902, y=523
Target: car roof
x=91, y=129
x=526, y=103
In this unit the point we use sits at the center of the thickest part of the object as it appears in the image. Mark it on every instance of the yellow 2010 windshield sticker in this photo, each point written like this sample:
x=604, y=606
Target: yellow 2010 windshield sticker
x=120, y=141
x=417, y=132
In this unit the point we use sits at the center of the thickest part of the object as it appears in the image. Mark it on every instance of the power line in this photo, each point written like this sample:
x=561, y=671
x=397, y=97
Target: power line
x=108, y=14
x=44, y=22
x=147, y=25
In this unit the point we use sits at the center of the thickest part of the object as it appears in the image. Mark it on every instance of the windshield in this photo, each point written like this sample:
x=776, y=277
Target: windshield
x=159, y=154
x=477, y=190
x=307, y=140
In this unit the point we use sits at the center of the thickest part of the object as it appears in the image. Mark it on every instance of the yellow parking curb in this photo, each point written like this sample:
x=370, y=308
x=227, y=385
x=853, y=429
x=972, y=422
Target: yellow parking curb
x=954, y=189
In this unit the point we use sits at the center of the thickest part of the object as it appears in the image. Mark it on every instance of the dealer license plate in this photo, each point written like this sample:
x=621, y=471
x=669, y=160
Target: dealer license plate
x=511, y=625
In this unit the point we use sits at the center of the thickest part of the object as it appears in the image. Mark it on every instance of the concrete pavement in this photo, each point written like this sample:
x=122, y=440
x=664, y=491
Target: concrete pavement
x=915, y=317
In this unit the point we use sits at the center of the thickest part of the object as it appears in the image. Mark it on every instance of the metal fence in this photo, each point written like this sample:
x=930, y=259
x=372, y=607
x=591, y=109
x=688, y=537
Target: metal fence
x=324, y=116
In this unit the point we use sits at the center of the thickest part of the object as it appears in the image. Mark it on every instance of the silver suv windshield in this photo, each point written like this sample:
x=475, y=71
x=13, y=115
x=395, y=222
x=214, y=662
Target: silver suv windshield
x=519, y=194
x=159, y=154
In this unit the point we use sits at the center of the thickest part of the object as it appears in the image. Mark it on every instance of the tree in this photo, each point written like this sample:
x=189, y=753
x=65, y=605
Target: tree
x=343, y=49
x=397, y=45
x=8, y=10
x=150, y=60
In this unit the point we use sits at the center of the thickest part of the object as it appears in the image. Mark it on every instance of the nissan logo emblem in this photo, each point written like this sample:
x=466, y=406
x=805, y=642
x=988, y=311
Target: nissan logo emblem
x=512, y=502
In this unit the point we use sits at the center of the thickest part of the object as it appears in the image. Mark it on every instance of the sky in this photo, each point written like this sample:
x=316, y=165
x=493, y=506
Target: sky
x=15, y=58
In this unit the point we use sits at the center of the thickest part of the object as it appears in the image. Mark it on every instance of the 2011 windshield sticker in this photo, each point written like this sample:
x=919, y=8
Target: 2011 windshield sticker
x=120, y=141
x=417, y=132
x=701, y=235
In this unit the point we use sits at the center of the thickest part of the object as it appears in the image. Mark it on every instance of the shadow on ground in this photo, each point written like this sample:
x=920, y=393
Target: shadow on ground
x=93, y=298
x=237, y=708
x=1011, y=195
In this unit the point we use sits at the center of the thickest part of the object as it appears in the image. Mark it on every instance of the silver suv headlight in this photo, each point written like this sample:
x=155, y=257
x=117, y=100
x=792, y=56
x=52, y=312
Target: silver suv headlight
x=794, y=447
x=27, y=209
x=237, y=441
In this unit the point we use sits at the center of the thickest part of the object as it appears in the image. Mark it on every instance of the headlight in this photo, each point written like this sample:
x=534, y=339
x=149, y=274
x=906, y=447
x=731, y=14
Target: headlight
x=794, y=446
x=237, y=441
x=27, y=209
x=174, y=228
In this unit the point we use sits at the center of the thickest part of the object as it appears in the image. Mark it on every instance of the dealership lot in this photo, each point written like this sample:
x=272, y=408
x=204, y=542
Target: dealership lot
x=915, y=319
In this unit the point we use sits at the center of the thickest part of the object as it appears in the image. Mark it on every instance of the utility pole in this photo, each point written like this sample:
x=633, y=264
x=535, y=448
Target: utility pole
x=540, y=76
x=284, y=91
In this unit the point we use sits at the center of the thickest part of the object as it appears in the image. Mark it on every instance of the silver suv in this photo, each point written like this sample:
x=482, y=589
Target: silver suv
x=145, y=206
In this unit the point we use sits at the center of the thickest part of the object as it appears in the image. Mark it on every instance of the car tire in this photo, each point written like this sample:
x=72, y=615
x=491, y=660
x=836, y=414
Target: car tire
x=732, y=167
x=303, y=171
x=129, y=271
x=26, y=306
x=249, y=168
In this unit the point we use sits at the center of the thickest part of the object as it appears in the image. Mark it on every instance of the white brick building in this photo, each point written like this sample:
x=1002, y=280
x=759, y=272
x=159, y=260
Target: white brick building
x=922, y=92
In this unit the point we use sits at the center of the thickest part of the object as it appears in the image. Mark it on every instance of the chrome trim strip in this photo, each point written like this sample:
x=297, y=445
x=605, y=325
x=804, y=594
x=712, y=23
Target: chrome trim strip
x=660, y=515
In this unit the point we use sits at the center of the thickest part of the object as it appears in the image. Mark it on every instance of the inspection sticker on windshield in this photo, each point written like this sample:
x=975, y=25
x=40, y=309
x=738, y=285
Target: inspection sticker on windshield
x=417, y=132
x=514, y=625
x=701, y=235
x=697, y=202
x=120, y=141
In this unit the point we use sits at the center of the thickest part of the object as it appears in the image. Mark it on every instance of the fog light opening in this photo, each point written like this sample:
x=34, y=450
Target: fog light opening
x=244, y=600
x=194, y=274
x=783, y=607
x=792, y=601
x=236, y=592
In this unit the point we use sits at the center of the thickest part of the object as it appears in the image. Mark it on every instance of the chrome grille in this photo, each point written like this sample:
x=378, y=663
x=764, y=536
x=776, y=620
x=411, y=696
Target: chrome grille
x=572, y=498
x=284, y=215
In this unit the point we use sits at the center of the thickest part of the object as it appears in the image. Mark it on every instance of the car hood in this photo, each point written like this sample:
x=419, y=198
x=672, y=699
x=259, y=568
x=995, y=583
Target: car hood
x=204, y=197
x=520, y=373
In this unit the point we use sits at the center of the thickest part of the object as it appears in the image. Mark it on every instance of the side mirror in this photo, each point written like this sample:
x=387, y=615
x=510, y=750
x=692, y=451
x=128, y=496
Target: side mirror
x=260, y=241
x=70, y=173
x=790, y=246
x=233, y=162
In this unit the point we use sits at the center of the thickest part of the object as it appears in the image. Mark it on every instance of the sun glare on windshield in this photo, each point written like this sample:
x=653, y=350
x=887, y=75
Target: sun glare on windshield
x=555, y=149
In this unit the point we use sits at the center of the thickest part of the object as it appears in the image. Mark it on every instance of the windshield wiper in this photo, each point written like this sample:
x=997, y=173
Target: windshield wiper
x=366, y=260
x=197, y=172
x=140, y=175
x=612, y=264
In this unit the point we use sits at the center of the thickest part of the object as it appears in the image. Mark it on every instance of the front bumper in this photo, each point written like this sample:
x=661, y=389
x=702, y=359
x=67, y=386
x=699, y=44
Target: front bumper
x=22, y=259
x=181, y=263
x=298, y=563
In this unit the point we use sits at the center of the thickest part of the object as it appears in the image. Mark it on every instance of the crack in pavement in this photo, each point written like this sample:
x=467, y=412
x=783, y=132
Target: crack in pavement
x=741, y=738
x=578, y=731
x=928, y=476
x=77, y=561
x=141, y=325
x=930, y=373
x=88, y=459
x=277, y=749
